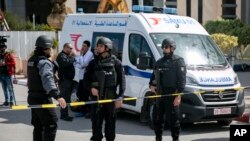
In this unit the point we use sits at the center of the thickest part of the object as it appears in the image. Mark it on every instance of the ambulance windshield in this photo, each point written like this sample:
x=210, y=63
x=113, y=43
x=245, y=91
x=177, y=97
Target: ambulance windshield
x=197, y=50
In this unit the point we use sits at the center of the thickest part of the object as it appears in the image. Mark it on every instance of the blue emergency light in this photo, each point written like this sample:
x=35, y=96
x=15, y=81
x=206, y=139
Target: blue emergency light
x=151, y=9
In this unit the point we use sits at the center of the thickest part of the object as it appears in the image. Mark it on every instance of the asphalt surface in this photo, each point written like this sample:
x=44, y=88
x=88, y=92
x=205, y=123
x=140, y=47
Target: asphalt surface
x=15, y=125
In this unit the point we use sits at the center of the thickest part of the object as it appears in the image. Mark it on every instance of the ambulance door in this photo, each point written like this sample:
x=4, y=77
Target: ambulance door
x=136, y=78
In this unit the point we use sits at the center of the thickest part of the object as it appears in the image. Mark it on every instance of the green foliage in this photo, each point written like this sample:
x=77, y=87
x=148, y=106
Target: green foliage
x=17, y=24
x=44, y=27
x=232, y=28
x=244, y=35
x=14, y=22
x=55, y=43
x=225, y=42
x=223, y=26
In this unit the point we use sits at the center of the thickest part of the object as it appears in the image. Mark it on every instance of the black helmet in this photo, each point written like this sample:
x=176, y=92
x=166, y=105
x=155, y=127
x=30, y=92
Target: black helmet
x=168, y=41
x=43, y=42
x=105, y=41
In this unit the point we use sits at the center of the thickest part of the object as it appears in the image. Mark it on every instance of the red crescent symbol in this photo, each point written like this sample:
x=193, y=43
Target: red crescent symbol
x=74, y=38
x=155, y=20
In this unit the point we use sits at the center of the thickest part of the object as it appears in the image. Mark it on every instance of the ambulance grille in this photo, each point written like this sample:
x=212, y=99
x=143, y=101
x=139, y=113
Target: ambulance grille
x=216, y=96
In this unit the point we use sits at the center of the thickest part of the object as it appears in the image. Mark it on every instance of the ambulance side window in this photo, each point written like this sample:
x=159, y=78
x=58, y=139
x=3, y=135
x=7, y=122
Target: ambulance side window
x=138, y=44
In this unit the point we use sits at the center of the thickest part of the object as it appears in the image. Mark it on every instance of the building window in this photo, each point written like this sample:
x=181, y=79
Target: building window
x=229, y=9
x=200, y=10
x=188, y=8
x=171, y=3
x=88, y=6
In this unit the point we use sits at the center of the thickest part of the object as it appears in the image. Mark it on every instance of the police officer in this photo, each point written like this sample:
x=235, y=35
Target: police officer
x=41, y=87
x=66, y=72
x=169, y=77
x=104, y=74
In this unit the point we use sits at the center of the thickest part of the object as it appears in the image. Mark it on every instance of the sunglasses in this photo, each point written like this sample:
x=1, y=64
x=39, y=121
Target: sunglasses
x=167, y=46
x=70, y=47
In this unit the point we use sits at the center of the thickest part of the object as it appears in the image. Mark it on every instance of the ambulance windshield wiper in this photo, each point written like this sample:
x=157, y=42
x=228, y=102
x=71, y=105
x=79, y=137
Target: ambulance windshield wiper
x=200, y=66
x=218, y=66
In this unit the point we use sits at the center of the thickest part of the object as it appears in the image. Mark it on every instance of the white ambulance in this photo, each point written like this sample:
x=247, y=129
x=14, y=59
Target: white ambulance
x=137, y=39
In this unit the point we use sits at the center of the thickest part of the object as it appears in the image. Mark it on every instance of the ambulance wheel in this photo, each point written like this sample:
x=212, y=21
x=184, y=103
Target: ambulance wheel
x=150, y=114
x=225, y=122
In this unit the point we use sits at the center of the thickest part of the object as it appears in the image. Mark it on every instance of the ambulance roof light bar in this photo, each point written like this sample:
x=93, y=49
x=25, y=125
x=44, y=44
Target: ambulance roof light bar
x=151, y=9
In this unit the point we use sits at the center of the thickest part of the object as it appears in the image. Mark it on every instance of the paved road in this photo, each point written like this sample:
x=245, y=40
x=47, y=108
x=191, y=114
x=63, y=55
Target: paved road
x=15, y=125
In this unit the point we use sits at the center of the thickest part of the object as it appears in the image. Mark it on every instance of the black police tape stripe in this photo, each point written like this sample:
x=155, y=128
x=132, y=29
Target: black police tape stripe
x=23, y=107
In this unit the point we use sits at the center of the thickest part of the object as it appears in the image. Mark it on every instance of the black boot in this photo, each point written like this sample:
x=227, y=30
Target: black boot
x=5, y=104
x=177, y=139
x=158, y=138
x=67, y=118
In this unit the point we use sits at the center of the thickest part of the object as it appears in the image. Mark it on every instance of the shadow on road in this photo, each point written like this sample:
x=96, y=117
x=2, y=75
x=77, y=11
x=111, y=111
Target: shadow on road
x=213, y=139
x=127, y=124
x=205, y=127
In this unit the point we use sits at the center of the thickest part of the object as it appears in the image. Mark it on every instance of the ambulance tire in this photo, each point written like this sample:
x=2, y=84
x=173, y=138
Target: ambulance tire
x=225, y=122
x=150, y=114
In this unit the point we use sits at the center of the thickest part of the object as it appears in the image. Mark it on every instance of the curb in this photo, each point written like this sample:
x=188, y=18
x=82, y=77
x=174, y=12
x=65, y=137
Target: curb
x=22, y=82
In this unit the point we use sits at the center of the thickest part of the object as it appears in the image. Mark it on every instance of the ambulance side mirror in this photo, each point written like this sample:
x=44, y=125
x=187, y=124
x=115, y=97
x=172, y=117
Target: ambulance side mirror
x=227, y=57
x=143, y=61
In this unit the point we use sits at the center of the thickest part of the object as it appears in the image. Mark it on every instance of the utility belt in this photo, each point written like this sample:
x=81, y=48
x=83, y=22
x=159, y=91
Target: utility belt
x=167, y=90
x=109, y=93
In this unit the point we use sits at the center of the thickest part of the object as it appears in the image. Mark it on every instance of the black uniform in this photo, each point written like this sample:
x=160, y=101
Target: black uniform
x=66, y=74
x=170, y=77
x=41, y=87
x=114, y=75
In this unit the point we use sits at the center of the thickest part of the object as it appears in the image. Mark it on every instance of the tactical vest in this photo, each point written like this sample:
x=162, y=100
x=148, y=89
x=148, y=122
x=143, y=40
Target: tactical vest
x=166, y=73
x=34, y=79
x=107, y=67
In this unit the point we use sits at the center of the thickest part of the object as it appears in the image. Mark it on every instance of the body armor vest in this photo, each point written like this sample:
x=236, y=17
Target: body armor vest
x=166, y=74
x=107, y=68
x=34, y=80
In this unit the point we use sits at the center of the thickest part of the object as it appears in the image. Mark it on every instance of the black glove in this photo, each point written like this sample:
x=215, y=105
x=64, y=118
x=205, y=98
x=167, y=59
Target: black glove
x=55, y=94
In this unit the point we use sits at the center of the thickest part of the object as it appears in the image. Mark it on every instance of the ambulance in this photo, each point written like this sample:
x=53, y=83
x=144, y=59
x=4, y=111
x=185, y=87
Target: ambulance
x=137, y=39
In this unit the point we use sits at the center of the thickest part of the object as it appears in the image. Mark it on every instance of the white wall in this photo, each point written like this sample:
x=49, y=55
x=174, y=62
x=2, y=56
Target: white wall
x=23, y=42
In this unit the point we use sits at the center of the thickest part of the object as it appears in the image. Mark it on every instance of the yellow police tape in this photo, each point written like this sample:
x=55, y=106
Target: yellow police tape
x=23, y=107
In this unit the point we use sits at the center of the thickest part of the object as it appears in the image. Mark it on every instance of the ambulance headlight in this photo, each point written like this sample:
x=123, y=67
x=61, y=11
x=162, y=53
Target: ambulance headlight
x=191, y=81
x=236, y=80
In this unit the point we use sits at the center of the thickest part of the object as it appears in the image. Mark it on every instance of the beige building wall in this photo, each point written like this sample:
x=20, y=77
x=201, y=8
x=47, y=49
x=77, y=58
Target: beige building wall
x=211, y=10
x=194, y=9
x=129, y=3
x=72, y=5
x=238, y=9
x=182, y=8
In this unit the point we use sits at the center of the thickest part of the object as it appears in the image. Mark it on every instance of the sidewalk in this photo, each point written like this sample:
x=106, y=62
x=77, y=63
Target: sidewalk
x=21, y=80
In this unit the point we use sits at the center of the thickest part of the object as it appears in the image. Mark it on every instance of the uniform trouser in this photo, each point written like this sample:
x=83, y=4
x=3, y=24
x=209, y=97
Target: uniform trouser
x=66, y=87
x=99, y=113
x=83, y=95
x=43, y=120
x=164, y=107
